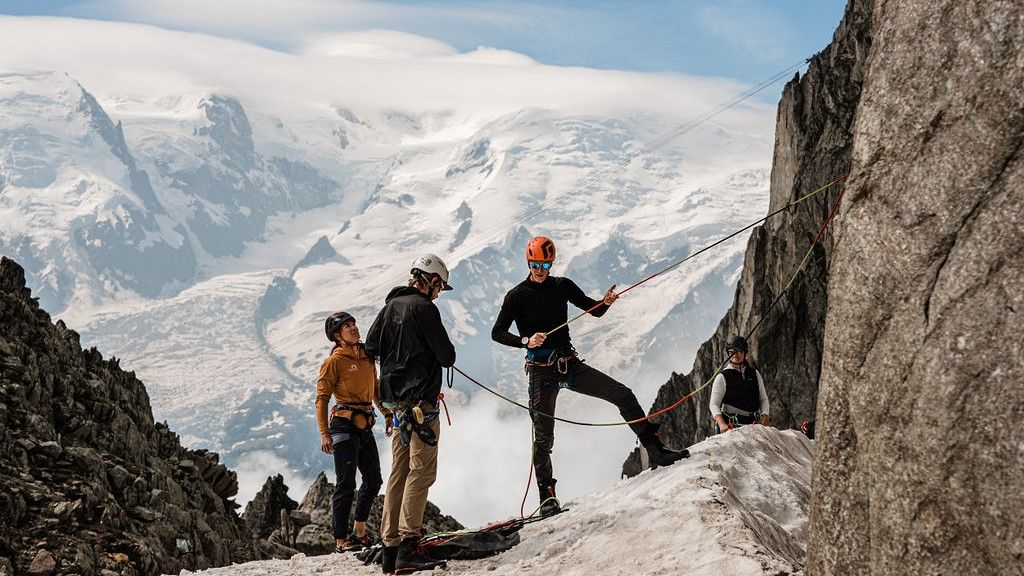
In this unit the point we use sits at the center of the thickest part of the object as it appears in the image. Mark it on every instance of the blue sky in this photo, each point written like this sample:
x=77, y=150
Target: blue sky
x=747, y=40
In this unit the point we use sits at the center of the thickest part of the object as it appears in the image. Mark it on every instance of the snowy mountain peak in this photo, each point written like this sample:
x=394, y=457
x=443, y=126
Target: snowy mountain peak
x=74, y=197
x=229, y=129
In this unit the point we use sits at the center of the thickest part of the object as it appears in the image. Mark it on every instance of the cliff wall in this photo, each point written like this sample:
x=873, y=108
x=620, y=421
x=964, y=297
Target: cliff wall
x=919, y=463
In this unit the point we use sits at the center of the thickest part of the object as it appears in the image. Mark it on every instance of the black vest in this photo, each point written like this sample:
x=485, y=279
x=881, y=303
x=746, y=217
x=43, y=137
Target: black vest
x=741, y=390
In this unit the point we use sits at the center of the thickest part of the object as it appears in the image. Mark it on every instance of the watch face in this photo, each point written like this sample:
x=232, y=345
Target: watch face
x=526, y=340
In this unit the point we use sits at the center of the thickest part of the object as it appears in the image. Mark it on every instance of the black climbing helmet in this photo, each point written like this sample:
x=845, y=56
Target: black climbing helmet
x=334, y=323
x=735, y=343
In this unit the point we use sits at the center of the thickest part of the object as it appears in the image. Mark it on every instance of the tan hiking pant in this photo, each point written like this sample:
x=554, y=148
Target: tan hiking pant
x=413, y=470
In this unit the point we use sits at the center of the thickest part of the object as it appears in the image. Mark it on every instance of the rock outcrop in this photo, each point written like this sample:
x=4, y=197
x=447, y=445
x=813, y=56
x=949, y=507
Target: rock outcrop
x=813, y=143
x=88, y=481
x=306, y=527
x=919, y=464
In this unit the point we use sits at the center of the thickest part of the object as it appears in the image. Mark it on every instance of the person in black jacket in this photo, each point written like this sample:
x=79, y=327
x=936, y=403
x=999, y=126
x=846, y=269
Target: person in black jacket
x=412, y=346
x=538, y=305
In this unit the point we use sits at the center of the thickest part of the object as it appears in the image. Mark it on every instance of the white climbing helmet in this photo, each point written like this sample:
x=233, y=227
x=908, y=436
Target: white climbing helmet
x=430, y=264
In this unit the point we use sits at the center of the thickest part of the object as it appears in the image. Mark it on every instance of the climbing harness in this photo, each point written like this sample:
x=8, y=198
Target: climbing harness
x=546, y=358
x=416, y=417
x=361, y=416
x=743, y=419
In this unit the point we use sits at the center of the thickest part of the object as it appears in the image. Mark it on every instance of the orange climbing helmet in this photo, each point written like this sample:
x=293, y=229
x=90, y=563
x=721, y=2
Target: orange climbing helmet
x=540, y=249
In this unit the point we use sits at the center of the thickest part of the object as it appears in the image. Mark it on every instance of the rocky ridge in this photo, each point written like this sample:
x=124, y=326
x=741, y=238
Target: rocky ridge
x=285, y=527
x=901, y=337
x=89, y=483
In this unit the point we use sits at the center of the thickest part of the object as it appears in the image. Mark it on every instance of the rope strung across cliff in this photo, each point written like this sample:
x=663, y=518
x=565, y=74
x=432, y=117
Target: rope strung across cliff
x=701, y=251
x=803, y=263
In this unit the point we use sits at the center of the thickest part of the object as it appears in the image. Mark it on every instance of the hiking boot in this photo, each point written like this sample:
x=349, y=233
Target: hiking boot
x=371, y=555
x=411, y=559
x=659, y=455
x=354, y=543
x=387, y=559
x=549, y=505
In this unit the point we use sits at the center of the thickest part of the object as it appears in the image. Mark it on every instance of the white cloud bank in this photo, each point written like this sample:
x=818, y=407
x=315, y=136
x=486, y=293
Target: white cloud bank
x=134, y=63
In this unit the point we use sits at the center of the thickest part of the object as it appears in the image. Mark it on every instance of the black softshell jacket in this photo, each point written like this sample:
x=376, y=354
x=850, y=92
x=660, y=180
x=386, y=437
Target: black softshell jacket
x=412, y=346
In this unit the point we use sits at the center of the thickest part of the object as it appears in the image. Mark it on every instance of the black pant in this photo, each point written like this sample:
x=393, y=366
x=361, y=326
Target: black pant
x=545, y=382
x=353, y=449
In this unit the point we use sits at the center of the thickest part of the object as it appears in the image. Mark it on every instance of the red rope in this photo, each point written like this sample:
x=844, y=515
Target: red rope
x=440, y=397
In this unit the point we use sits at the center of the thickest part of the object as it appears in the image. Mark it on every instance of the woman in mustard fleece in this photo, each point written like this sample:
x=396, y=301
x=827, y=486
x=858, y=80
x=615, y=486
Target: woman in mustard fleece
x=351, y=377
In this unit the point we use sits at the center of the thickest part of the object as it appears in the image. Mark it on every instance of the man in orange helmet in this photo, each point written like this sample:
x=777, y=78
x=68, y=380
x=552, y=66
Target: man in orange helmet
x=537, y=305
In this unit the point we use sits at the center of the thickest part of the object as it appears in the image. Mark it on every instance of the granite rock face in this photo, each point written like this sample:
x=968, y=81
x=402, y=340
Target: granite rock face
x=88, y=481
x=919, y=464
x=813, y=144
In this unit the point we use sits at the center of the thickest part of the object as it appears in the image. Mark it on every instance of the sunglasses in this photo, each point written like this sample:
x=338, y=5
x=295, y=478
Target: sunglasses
x=540, y=265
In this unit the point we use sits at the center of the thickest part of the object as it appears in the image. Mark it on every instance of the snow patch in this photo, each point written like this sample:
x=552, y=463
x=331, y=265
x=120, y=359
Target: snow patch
x=738, y=506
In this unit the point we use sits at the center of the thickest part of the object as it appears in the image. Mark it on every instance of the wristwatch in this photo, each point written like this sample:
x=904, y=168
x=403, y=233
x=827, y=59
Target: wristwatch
x=526, y=341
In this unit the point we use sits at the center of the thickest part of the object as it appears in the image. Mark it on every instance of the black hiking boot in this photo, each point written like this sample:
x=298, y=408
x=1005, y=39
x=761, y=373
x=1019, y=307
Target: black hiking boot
x=387, y=559
x=549, y=505
x=659, y=455
x=410, y=559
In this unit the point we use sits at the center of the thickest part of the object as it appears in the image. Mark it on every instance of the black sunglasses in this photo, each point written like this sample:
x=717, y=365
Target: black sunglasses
x=540, y=265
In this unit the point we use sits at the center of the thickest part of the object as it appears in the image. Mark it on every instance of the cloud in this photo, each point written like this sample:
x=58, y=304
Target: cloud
x=290, y=22
x=140, y=63
x=384, y=44
x=485, y=457
x=254, y=468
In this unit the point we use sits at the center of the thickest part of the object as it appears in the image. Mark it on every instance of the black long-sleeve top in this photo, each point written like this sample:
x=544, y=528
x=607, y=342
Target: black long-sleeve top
x=412, y=345
x=539, y=307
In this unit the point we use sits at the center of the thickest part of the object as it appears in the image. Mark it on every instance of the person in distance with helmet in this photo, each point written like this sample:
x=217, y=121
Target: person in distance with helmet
x=350, y=376
x=738, y=395
x=538, y=305
x=412, y=345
